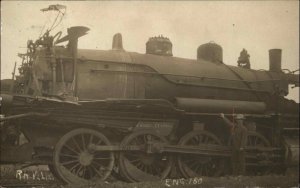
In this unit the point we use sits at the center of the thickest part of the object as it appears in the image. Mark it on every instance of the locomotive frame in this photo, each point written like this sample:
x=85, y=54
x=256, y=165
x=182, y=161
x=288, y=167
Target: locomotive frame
x=49, y=129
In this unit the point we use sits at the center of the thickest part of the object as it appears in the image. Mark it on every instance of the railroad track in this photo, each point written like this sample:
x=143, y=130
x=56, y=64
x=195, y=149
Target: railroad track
x=290, y=181
x=35, y=184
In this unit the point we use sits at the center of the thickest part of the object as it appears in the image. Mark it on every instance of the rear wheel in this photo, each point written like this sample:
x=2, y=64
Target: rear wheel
x=74, y=163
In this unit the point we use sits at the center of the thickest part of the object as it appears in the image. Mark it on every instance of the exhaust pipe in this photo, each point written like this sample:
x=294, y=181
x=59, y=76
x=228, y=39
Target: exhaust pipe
x=275, y=60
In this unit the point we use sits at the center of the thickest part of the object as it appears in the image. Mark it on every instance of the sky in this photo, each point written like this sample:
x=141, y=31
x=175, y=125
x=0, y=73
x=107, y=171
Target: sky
x=256, y=26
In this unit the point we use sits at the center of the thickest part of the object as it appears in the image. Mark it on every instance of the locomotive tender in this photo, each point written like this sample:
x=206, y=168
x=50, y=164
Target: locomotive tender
x=92, y=114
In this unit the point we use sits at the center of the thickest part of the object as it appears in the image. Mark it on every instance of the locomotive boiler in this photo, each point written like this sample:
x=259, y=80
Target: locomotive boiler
x=93, y=114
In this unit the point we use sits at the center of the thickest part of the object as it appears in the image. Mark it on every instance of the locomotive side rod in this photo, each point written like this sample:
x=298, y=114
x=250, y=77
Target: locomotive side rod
x=210, y=150
x=155, y=148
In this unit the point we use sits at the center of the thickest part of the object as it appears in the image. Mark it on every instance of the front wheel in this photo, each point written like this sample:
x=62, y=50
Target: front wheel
x=74, y=163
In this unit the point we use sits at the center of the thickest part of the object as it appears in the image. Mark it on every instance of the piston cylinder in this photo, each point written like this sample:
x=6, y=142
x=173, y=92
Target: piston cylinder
x=220, y=106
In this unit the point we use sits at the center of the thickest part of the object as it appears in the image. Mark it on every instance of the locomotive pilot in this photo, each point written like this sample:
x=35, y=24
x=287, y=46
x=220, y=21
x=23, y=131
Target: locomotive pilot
x=239, y=140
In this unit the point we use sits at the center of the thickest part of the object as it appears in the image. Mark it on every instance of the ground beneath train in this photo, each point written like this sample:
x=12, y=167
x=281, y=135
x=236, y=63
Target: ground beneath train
x=39, y=176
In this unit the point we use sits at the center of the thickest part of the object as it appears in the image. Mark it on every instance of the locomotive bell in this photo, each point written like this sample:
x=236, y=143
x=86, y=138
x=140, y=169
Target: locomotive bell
x=275, y=60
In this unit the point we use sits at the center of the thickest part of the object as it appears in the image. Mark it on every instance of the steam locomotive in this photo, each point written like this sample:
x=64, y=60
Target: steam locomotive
x=93, y=114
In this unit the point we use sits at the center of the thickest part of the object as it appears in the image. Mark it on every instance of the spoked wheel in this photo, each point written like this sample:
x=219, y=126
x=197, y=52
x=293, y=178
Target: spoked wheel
x=254, y=140
x=74, y=163
x=138, y=166
x=191, y=165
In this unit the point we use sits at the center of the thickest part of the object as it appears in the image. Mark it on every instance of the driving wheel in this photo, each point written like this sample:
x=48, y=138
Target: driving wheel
x=138, y=166
x=191, y=165
x=74, y=163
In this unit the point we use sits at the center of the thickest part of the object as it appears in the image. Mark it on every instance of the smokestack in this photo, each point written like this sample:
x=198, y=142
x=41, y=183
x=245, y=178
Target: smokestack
x=275, y=60
x=117, y=42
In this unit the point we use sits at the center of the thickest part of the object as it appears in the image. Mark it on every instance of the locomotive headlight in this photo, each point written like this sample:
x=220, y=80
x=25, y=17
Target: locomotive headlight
x=5, y=103
x=1, y=122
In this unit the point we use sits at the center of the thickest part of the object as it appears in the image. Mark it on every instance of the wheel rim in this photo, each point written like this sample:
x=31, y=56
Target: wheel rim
x=191, y=165
x=74, y=164
x=138, y=166
x=255, y=139
x=53, y=172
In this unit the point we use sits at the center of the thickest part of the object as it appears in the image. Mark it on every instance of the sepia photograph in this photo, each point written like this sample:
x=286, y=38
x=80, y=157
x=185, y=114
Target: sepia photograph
x=149, y=94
